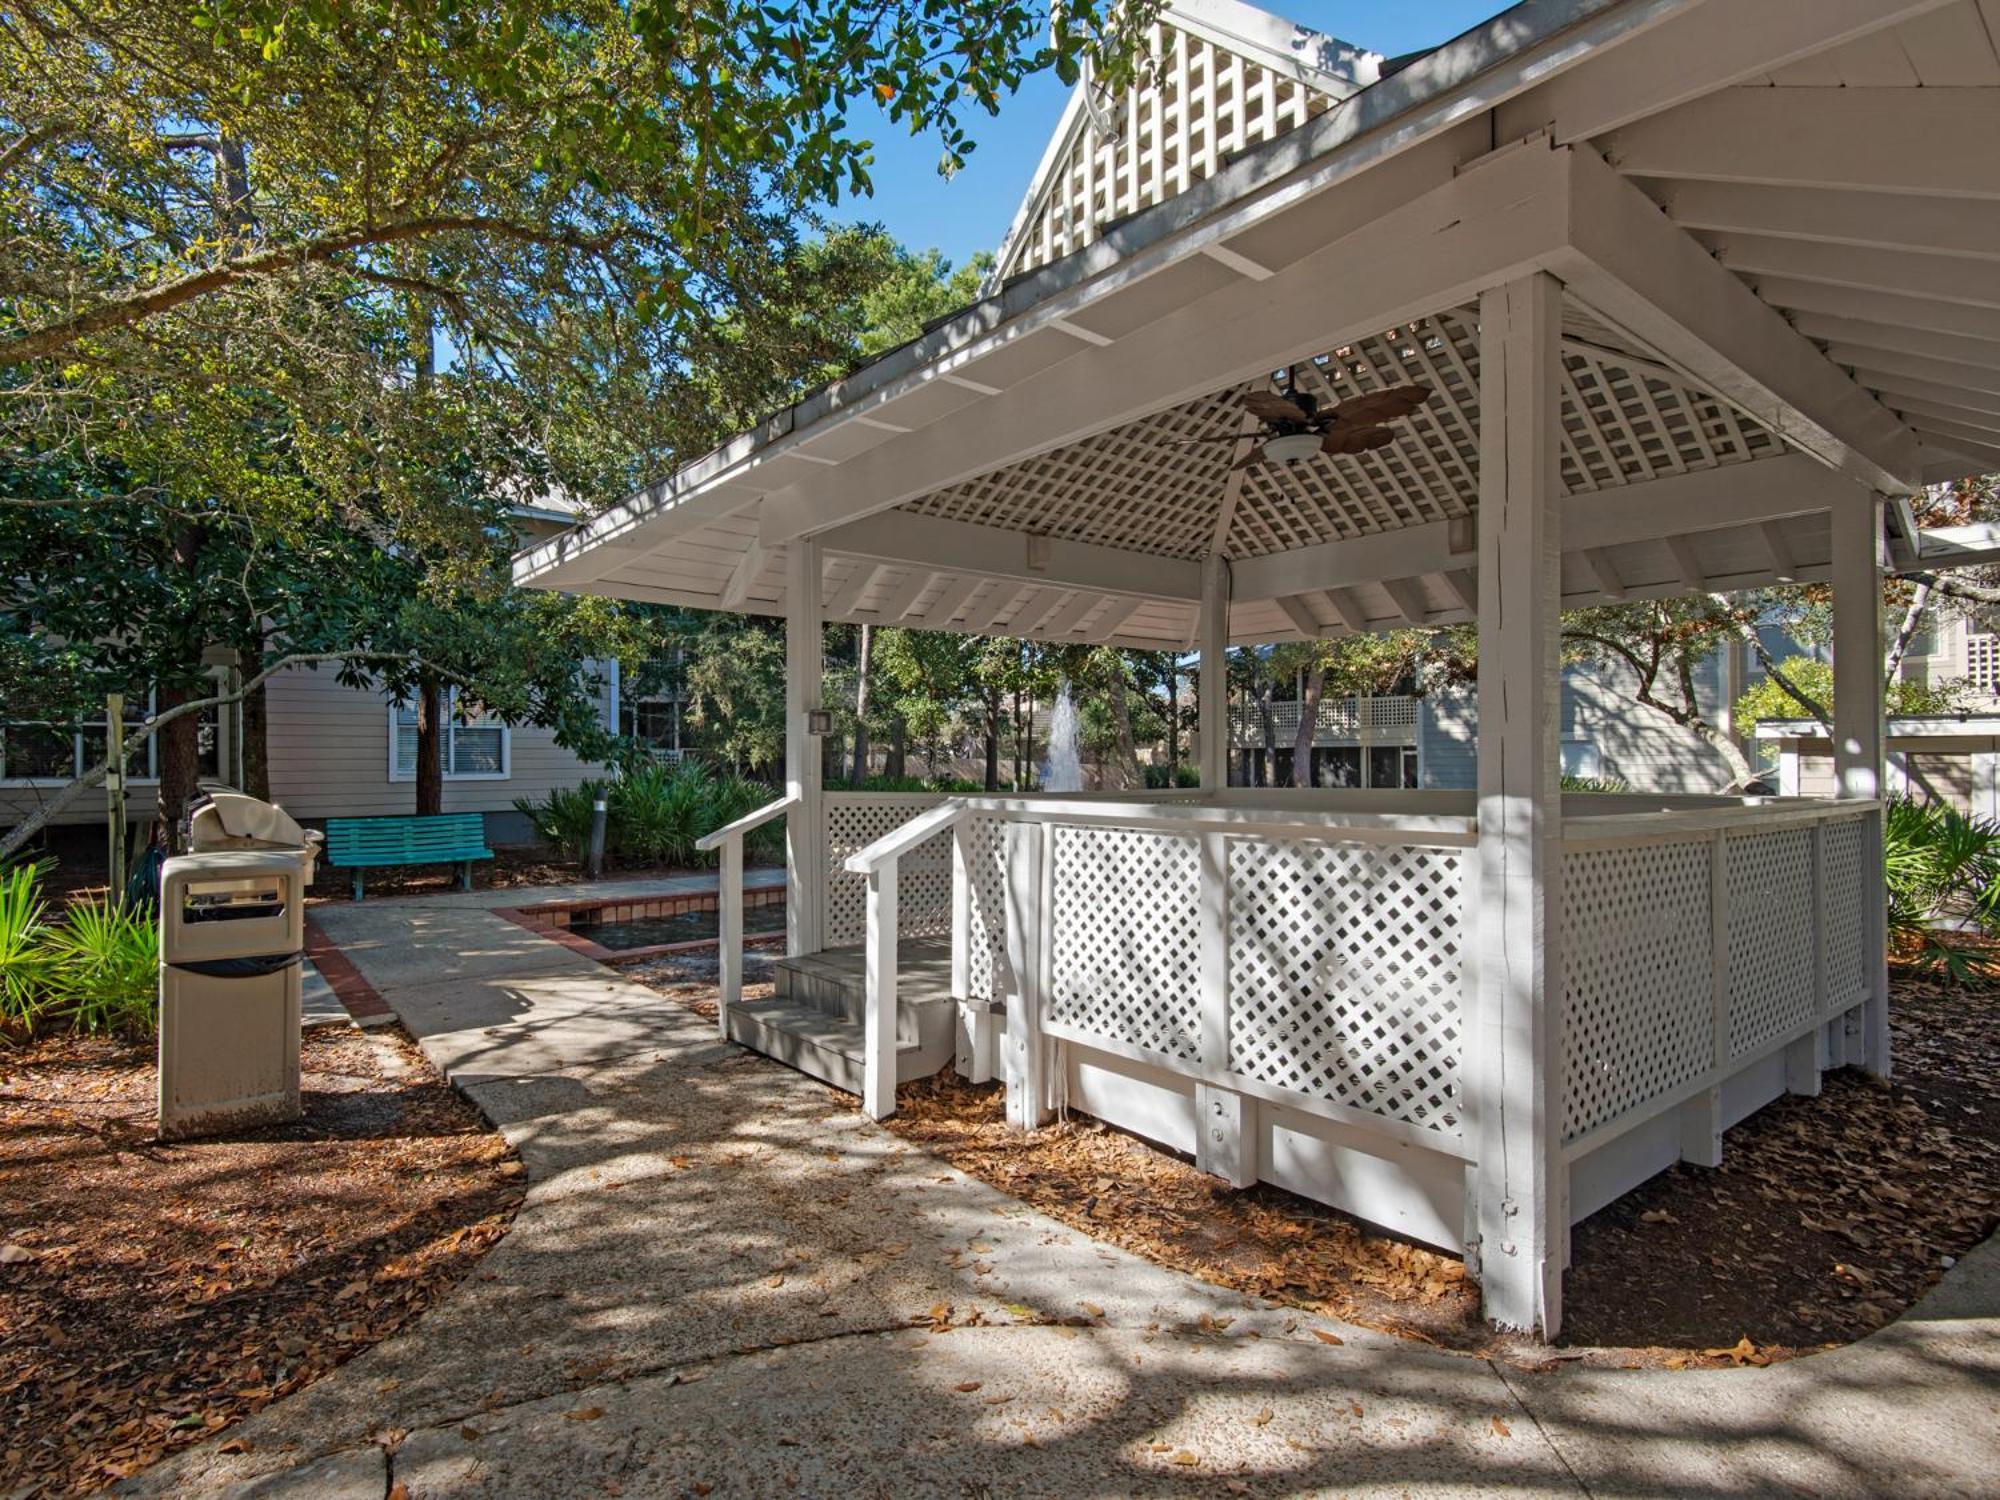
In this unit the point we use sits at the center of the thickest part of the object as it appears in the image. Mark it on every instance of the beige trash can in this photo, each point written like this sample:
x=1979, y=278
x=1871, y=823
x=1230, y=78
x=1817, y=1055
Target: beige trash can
x=232, y=931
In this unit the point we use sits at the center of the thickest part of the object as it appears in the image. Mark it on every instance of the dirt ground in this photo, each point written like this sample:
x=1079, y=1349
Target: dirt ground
x=1828, y=1217
x=152, y=1294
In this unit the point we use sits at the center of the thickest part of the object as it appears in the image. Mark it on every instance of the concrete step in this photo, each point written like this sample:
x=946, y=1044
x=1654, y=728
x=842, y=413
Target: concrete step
x=830, y=1048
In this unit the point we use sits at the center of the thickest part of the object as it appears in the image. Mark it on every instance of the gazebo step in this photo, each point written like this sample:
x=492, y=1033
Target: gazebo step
x=830, y=1048
x=836, y=981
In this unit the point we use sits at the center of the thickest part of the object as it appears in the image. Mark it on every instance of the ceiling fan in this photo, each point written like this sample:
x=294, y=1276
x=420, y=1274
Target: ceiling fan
x=1299, y=427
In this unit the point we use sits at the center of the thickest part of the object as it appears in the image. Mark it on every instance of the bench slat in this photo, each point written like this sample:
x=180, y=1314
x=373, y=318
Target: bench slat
x=446, y=837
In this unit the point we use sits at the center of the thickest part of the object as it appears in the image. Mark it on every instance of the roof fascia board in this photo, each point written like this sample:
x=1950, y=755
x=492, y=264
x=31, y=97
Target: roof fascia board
x=1528, y=44
x=1634, y=266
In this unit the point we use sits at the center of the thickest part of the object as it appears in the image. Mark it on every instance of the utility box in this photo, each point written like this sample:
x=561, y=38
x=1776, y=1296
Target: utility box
x=232, y=932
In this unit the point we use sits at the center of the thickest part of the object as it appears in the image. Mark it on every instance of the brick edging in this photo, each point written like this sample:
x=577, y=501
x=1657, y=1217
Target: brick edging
x=356, y=995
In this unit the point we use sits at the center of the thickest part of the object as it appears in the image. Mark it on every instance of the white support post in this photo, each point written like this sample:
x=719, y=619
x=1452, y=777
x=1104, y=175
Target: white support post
x=1027, y=1053
x=1858, y=735
x=878, y=1056
x=729, y=933
x=805, y=829
x=1212, y=684
x=1513, y=1053
x=1225, y=1121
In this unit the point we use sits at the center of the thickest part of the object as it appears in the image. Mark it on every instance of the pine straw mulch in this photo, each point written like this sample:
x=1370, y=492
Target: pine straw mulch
x=1828, y=1217
x=152, y=1294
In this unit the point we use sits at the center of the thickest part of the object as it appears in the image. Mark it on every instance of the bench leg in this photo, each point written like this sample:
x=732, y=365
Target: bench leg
x=357, y=884
x=465, y=874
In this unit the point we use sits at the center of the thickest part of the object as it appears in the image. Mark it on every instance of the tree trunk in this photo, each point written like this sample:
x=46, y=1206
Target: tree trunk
x=1127, y=770
x=178, y=750
x=1270, y=775
x=1302, y=746
x=1173, y=719
x=899, y=747
x=430, y=746
x=993, y=739
x=178, y=745
x=255, y=773
x=864, y=664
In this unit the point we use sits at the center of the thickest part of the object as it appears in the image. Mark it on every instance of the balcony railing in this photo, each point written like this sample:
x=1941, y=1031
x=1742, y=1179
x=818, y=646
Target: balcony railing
x=1385, y=720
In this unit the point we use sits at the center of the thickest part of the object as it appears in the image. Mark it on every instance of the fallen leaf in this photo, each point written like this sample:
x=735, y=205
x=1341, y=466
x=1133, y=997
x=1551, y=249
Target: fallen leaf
x=14, y=1255
x=967, y=1387
x=584, y=1414
x=235, y=1445
x=1328, y=1338
x=1501, y=1429
x=1093, y=1309
x=1186, y=1459
x=1263, y=1418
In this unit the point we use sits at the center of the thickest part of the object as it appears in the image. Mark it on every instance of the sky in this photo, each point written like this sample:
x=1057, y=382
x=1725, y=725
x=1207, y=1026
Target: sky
x=971, y=211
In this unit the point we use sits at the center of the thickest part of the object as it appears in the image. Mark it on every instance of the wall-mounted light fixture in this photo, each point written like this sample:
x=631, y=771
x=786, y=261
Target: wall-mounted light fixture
x=819, y=721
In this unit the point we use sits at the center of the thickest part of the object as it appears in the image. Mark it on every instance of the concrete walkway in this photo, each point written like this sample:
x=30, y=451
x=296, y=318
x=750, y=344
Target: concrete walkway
x=711, y=1289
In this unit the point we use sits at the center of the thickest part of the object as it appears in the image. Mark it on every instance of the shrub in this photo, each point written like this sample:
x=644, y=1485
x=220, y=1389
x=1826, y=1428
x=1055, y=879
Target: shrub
x=661, y=809
x=1943, y=871
x=562, y=819
x=24, y=961
x=104, y=968
x=738, y=796
x=1610, y=784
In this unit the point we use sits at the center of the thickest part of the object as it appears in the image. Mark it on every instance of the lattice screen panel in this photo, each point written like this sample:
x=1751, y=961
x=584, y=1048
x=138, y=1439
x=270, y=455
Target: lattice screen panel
x=1198, y=106
x=1771, y=928
x=1846, y=915
x=923, y=884
x=986, y=865
x=1127, y=954
x=1638, y=956
x=1345, y=974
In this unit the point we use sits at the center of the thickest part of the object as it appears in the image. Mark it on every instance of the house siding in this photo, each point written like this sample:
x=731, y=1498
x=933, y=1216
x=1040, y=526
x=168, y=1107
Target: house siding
x=329, y=756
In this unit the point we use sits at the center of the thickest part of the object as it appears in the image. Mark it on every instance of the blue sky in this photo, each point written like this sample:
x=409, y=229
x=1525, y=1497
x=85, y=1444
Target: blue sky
x=972, y=210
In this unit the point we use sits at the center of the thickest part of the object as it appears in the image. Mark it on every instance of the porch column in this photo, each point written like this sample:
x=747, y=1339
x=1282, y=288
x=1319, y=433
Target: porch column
x=1212, y=687
x=1858, y=733
x=805, y=854
x=1512, y=1055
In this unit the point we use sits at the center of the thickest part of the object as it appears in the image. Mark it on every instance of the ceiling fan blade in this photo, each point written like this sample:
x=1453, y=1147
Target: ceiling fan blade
x=1347, y=438
x=1218, y=437
x=1381, y=406
x=1269, y=406
x=1251, y=460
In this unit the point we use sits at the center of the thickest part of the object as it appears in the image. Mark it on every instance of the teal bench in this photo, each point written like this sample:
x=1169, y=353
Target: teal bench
x=445, y=839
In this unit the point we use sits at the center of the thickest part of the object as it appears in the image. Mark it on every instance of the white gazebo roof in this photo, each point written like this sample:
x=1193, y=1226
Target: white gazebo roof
x=1775, y=226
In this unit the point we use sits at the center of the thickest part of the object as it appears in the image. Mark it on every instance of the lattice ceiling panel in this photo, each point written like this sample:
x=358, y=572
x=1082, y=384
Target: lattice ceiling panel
x=1152, y=486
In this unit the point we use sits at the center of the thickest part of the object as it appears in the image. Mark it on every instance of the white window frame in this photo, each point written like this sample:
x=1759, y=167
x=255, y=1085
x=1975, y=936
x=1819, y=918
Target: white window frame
x=451, y=728
x=151, y=777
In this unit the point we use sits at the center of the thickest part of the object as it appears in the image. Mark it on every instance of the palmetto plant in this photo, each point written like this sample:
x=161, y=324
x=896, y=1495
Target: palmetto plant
x=1943, y=872
x=563, y=817
x=660, y=810
x=103, y=968
x=24, y=961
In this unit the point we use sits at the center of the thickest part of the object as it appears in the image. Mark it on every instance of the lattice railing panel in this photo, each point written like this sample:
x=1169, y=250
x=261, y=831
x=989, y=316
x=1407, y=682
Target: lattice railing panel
x=1638, y=955
x=923, y=882
x=1126, y=949
x=1847, y=926
x=1345, y=974
x=986, y=868
x=1770, y=896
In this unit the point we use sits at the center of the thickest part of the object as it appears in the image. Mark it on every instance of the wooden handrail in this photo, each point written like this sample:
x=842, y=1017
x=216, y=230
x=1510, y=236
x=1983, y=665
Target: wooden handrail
x=897, y=842
x=744, y=824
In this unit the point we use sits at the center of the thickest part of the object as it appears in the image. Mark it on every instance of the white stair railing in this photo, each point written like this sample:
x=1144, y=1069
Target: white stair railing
x=729, y=903
x=878, y=864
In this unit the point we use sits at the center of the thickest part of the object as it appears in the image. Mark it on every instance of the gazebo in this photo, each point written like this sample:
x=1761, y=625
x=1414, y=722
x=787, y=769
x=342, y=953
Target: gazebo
x=1701, y=291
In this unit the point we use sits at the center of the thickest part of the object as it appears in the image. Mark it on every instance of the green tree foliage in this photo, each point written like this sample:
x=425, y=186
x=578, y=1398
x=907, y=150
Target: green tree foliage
x=1766, y=701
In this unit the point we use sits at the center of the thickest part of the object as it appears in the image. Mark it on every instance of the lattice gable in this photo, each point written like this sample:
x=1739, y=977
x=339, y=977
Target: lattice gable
x=1158, y=485
x=1200, y=103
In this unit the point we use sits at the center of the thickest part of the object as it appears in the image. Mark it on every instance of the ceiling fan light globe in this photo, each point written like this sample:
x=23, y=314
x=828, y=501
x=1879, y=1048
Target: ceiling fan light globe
x=1292, y=447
